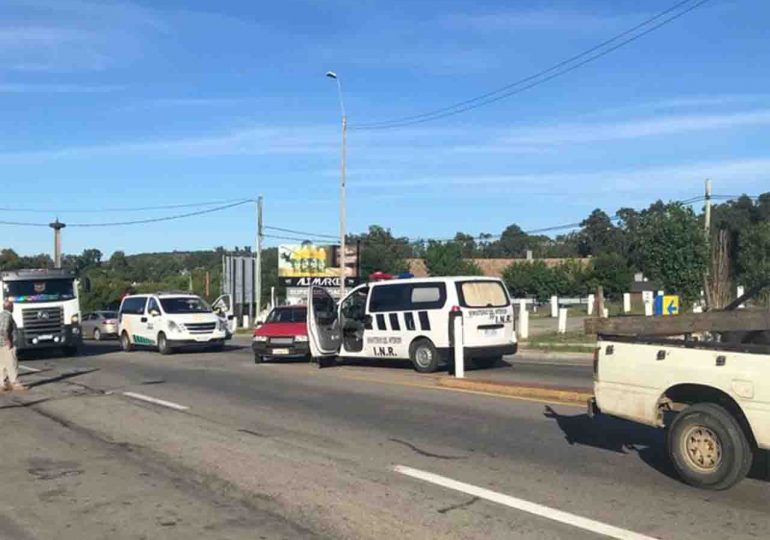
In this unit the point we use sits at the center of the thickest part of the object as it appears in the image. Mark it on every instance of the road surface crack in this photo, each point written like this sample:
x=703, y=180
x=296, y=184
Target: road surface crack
x=424, y=452
x=459, y=506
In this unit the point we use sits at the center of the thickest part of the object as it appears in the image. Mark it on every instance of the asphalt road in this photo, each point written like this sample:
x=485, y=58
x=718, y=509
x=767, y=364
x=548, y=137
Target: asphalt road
x=230, y=449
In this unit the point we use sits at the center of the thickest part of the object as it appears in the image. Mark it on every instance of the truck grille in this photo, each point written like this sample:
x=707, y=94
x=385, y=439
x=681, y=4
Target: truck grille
x=200, y=328
x=42, y=321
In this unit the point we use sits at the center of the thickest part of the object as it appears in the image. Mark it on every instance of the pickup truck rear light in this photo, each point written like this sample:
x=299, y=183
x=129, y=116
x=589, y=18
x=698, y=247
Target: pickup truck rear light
x=597, y=351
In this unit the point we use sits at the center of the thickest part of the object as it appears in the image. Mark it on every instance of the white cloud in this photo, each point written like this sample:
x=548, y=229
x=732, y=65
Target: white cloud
x=34, y=88
x=571, y=133
x=732, y=175
x=544, y=19
x=252, y=141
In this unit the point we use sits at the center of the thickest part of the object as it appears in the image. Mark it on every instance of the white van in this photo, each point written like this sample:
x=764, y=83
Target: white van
x=169, y=321
x=410, y=319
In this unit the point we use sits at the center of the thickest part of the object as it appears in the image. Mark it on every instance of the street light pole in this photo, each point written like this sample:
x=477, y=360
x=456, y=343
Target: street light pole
x=343, y=156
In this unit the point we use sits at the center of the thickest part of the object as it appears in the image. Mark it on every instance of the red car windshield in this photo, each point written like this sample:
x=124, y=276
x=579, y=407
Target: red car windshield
x=287, y=315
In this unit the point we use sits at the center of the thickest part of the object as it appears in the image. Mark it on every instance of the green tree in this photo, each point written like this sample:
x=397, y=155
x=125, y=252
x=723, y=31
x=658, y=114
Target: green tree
x=446, y=259
x=611, y=271
x=380, y=250
x=669, y=245
x=754, y=255
x=598, y=235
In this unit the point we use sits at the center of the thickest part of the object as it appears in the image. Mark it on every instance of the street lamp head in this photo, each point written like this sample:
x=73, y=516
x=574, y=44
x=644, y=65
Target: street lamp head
x=331, y=74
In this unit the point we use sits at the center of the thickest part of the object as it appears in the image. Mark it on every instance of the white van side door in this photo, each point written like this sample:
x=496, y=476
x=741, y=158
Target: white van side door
x=323, y=325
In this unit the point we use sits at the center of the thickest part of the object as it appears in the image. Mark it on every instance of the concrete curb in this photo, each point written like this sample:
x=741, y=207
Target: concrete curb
x=562, y=394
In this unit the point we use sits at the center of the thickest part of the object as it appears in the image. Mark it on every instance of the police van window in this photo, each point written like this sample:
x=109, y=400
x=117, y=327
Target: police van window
x=152, y=306
x=477, y=294
x=407, y=297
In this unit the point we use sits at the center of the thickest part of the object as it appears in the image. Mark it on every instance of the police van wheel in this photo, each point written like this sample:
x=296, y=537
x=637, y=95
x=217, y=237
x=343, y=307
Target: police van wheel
x=125, y=343
x=163, y=346
x=424, y=356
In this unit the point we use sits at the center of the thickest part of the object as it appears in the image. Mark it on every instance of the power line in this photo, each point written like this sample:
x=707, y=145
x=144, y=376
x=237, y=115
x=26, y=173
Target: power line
x=134, y=222
x=540, y=77
x=119, y=209
x=292, y=231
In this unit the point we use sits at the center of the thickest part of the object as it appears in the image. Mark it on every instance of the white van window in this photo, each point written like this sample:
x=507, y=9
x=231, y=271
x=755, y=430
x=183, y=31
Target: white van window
x=184, y=304
x=477, y=294
x=426, y=294
x=134, y=306
x=407, y=297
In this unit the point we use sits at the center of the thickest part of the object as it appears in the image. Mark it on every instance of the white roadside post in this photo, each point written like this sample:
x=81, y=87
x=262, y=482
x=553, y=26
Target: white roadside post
x=626, y=302
x=272, y=297
x=590, y=306
x=554, y=307
x=697, y=308
x=647, y=308
x=459, y=348
x=523, y=321
x=740, y=291
x=562, y=321
x=245, y=321
x=606, y=313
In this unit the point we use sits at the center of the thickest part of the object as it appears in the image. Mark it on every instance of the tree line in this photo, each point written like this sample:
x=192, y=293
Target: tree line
x=666, y=241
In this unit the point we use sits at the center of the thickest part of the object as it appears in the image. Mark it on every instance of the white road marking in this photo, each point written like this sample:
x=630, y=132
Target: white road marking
x=525, y=506
x=169, y=404
x=29, y=369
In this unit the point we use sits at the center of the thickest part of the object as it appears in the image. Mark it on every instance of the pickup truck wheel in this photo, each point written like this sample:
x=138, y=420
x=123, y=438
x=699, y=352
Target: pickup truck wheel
x=708, y=447
x=424, y=356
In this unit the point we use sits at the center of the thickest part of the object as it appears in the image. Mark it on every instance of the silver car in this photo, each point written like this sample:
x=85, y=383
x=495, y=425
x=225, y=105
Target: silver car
x=99, y=325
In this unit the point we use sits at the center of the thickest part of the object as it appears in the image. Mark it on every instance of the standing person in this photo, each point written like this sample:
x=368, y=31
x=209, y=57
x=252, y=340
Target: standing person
x=9, y=372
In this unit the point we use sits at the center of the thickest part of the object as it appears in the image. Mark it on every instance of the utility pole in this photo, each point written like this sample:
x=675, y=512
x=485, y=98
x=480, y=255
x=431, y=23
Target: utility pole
x=258, y=262
x=707, y=214
x=333, y=75
x=57, y=226
x=208, y=284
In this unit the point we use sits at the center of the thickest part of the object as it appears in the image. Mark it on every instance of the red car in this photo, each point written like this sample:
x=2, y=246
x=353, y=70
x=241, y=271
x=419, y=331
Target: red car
x=284, y=335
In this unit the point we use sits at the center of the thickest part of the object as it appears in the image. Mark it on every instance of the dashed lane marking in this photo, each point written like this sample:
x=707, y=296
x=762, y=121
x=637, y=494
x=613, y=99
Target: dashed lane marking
x=156, y=401
x=525, y=506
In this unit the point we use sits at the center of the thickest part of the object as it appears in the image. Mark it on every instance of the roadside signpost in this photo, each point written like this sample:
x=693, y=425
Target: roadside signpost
x=666, y=304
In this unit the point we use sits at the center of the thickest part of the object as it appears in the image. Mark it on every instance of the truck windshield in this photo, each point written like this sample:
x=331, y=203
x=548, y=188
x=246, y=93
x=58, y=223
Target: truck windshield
x=45, y=290
x=184, y=304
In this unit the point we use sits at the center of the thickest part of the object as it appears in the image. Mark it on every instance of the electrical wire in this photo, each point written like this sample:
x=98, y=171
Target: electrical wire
x=134, y=222
x=292, y=231
x=540, y=77
x=123, y=209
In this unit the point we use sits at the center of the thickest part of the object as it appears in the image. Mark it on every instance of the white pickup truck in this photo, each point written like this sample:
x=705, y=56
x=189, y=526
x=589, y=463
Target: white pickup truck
x=709, y=386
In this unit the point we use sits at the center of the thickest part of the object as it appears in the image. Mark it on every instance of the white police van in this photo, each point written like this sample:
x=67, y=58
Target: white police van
x=410, y=319
x=169, y=321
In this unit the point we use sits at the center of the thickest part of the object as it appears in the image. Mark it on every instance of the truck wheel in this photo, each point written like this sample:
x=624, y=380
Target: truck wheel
x=163, y=347
x=424, y=356
x=708, y=447
x=125, y=343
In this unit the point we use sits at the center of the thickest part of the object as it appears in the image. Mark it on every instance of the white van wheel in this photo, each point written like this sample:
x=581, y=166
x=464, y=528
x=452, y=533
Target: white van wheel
x=424, y=356
x=125, y=342
x=163, y=347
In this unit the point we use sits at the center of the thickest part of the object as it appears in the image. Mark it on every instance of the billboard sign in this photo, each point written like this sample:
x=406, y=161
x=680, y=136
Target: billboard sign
x=310, y=264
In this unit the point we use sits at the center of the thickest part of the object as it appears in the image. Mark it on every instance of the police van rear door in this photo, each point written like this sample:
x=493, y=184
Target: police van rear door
x=487, y=312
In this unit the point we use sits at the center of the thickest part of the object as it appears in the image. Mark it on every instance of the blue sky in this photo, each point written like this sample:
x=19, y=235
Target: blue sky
x=123, y=104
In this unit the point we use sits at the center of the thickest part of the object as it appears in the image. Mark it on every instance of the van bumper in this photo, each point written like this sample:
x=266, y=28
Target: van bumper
x=498, y=350
x=192, y=343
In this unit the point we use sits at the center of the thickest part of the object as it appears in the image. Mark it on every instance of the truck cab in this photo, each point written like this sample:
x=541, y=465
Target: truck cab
x=46, y=309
